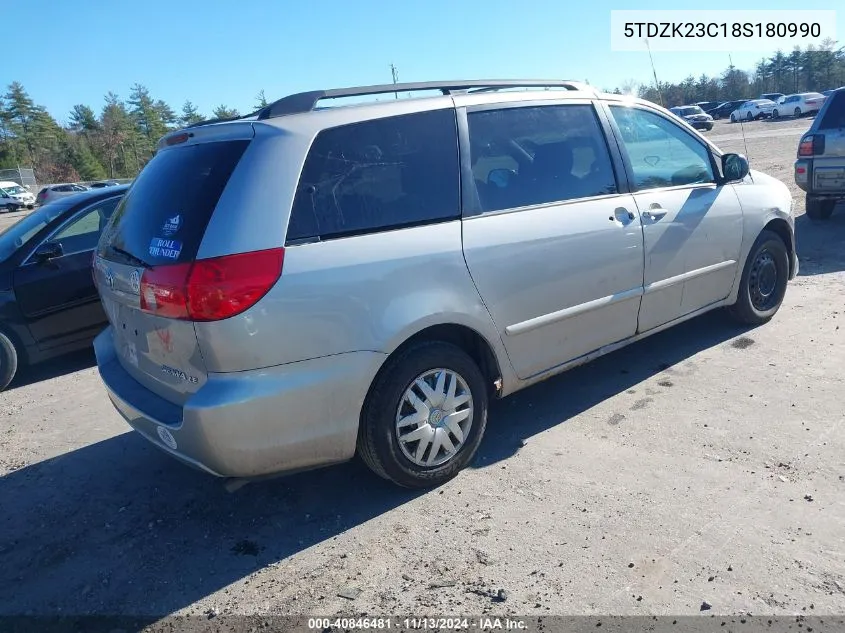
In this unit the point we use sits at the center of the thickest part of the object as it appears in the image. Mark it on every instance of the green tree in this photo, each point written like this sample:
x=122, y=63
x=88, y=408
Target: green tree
x=149, y=125
x=261, y=100
x=224, y=112
x=190, y=114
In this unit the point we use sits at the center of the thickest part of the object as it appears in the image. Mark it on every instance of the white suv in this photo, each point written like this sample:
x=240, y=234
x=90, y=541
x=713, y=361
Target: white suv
x=14, y=196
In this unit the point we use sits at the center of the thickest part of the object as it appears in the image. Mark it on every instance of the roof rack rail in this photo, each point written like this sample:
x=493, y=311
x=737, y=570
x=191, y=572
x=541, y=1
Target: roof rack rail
x=223, y=120
x=307, y=101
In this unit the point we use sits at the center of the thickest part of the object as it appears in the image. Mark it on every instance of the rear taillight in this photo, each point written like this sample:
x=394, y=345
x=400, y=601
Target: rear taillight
x=210, y=289
x=811, y=145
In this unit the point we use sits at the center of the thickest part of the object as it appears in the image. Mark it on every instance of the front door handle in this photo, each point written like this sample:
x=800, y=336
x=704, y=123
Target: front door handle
x=621, y=214
x=655, y=213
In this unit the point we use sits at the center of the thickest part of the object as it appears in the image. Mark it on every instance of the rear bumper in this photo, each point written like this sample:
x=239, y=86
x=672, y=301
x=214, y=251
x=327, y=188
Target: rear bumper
x=246, y=424
x=822, y=177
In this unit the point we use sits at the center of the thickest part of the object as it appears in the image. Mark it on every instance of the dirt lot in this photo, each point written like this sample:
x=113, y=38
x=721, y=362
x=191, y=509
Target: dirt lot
x=703, y=464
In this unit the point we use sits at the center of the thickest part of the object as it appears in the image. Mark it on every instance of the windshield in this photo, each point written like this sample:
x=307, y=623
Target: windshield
x=14, y=190
x=15, y=236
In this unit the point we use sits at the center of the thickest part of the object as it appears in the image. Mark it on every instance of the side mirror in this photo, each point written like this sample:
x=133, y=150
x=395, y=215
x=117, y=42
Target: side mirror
x=500, y=177
x=48, y=251
x=734, y=167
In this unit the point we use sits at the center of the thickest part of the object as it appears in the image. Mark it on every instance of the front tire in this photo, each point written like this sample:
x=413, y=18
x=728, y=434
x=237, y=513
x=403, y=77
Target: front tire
x=819, y=208
x=8, y=361
x=425, y=415
x=11, y=207
x=775, y=114
x=763, y=283
x=749, y=116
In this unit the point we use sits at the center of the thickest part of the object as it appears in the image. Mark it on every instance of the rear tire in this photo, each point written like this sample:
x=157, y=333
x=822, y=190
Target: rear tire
x=797, y=113
x=379, y=443
x=8, y=361
x=733, y=119
x=763, y=282
x=819, y=208
x=775, y=114
x=749, y=116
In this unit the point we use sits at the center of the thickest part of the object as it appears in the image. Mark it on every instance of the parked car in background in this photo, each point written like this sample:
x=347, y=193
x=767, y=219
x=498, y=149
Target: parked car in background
x=753, y=110
x=708, y=105
x=820, y=167
x=102, y=183
x=14, y=196
x=799, y=104
x=772, y=96
x=54, y=192
x=387, y=280
x=695, y=116
x=724, y=110
x=48, y=302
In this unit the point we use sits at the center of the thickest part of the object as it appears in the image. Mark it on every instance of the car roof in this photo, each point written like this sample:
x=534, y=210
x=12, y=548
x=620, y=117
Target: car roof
x=305, y=113
x=93, y=194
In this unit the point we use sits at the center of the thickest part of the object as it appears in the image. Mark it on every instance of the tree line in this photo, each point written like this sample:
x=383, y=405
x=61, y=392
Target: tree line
x=812, y=69
x=117, y=140
x=114, y=142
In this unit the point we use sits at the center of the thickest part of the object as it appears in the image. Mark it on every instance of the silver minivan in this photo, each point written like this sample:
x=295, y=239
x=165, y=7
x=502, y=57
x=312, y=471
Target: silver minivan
x=313, y=281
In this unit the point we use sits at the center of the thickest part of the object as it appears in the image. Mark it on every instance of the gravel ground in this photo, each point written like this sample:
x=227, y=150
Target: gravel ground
x=702, y=464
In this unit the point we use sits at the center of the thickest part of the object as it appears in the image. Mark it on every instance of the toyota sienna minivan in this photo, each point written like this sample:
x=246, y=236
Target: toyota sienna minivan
x=320, y=279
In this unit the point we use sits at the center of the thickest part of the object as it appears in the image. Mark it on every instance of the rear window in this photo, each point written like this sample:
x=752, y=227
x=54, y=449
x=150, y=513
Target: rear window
x=834, y=115
x=379, y=175
x=163, y=217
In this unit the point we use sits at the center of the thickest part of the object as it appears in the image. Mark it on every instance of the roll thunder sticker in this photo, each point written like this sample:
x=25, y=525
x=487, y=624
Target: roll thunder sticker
x=171, y=225
x=161, y=247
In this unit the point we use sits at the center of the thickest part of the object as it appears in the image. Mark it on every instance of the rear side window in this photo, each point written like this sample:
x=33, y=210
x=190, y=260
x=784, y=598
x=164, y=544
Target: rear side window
x=379, y=175
x=536, y=155
x=163, y=217
x=834, y=116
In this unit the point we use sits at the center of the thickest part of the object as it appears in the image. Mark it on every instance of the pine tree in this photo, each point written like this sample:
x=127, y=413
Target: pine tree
x=261, y=100
x=190, y=114
x=224, y=112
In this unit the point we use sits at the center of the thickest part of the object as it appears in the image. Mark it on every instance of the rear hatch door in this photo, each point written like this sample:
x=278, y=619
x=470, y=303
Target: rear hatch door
x=159, y=225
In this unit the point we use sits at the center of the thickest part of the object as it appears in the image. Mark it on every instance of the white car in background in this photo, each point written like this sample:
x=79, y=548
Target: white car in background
x=753, y=110
x=799, y=104
x=14, y=196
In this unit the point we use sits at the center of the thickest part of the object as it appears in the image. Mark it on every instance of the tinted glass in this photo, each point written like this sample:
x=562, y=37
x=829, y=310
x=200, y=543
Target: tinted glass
x=378, y=175
x=163, y=217
x=82, y=234
x=25, y=229
x=536, y=155
x=834, y=115
x=662, y=154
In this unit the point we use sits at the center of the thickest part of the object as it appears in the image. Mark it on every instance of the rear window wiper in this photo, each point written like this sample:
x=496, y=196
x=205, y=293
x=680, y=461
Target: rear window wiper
x=132, y=258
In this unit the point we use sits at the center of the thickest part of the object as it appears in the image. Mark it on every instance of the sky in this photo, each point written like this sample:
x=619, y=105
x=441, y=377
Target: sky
x=75, y=52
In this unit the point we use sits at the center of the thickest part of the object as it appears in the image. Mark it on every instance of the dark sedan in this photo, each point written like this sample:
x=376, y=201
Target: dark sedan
x=725, y=109
x=48, y=302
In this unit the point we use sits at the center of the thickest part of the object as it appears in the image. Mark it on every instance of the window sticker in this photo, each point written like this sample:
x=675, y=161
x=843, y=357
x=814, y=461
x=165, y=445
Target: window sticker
x=162, y=247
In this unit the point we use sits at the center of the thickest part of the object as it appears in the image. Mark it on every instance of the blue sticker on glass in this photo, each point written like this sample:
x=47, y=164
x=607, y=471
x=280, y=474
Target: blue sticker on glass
x=171, y=225
x=161, y=247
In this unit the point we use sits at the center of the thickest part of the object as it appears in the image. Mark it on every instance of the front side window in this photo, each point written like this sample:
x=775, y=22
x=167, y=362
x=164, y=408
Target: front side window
x=83, y=233
x=661, y=153
x=379, y=175
x=538, y=154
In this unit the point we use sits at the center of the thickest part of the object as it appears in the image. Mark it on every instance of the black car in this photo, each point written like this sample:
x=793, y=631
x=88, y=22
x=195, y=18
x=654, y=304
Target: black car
x=725, y=109
x=48, y=302
x=103, y=183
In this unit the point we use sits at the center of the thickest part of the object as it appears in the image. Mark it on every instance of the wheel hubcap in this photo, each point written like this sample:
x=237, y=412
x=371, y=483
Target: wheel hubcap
x=434, y=417
x=763, y=281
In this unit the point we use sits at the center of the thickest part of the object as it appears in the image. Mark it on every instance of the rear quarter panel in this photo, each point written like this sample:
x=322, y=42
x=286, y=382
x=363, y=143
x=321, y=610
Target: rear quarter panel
x=365, y=293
